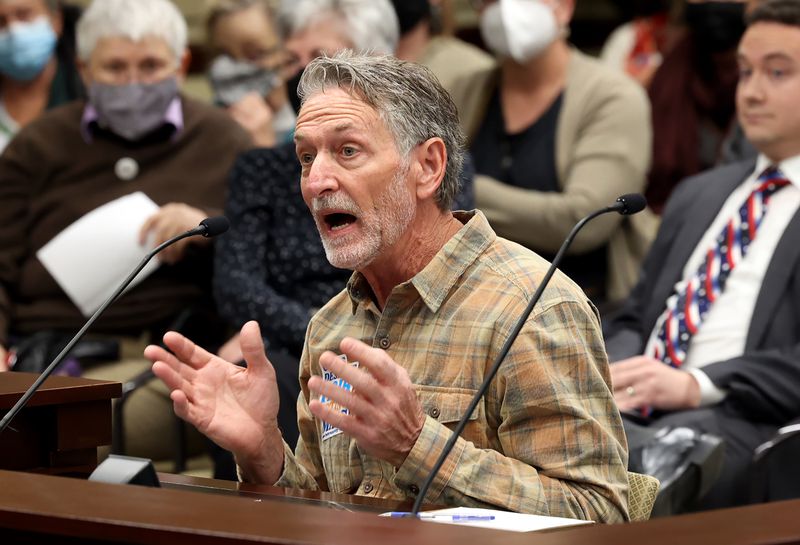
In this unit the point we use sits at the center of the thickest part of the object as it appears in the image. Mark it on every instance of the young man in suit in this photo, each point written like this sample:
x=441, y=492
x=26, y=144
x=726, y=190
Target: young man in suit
x=719, y=295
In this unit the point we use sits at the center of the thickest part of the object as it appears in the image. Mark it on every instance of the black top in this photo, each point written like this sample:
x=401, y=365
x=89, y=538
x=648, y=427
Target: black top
x=271, y=266
x=527, y=159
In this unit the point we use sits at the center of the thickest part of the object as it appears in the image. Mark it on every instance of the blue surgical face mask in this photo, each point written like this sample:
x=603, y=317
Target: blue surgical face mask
x=25, y=48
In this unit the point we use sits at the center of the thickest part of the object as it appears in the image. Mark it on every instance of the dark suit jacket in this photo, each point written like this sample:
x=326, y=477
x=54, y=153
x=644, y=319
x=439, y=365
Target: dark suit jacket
x=764, y=383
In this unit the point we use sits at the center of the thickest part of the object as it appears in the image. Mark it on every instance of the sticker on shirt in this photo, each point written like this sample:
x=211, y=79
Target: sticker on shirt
x=328, y=430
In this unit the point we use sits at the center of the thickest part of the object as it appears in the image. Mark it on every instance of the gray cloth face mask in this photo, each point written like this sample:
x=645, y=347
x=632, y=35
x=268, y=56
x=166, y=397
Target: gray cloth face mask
x=135, y=109
x=231, y=80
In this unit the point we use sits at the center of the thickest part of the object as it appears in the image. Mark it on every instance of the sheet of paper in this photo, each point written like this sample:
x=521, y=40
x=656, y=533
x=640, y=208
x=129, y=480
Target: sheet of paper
x=91, y=257
x=503, y=520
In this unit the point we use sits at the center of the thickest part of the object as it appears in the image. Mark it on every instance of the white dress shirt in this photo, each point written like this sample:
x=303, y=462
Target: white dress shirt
x=723, y=333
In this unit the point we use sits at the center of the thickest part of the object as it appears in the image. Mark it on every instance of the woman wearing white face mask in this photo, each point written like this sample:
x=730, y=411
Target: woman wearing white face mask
x=37, y=71
x=556, y=135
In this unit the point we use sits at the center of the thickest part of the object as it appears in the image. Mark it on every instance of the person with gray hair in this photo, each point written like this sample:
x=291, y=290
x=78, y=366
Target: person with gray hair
x=134, y=138
x=246, y=71
x=311, y=28
x=291, y=278
x=160, y=19
x=37, y=66
x=391, y=362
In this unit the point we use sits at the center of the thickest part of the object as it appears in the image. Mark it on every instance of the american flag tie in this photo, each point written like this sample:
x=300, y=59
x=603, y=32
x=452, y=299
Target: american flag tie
x=688, y=306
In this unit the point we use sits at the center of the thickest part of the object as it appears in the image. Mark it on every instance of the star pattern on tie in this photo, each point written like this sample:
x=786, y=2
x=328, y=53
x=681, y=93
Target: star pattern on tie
x=688, y=306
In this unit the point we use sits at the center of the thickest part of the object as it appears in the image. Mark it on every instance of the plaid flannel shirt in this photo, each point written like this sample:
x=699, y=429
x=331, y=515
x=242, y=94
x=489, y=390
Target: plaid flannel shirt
x=547, y=437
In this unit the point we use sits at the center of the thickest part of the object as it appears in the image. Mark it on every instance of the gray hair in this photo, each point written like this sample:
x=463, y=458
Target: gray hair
x=219, y=9
x=133, y=19
x=372, y=25
x=408, y=98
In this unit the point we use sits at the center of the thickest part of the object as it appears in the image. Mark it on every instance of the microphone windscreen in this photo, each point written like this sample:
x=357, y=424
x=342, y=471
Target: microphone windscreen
x=632, y=203
x=215, y=226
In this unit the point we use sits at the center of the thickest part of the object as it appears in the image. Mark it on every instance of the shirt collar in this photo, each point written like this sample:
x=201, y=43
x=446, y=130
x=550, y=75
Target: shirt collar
x=173, y=116
x=789, y=167
x=436, y=280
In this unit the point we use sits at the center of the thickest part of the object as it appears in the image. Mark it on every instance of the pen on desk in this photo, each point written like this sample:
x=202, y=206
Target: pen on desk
x=456, y=518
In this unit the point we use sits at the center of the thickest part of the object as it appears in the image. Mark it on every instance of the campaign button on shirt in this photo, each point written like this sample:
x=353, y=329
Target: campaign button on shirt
x=126, y=169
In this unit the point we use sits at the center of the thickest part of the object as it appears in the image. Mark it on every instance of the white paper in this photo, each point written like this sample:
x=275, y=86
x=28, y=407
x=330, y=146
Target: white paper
x=91, y=257
x=503, y=520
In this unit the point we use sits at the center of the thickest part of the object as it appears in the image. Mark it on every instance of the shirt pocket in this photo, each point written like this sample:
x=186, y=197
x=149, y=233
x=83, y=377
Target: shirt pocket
x=448, y=405
x=342, y=464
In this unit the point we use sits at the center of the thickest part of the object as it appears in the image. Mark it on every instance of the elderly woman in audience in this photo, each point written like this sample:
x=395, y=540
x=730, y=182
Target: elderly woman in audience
x=246, y=73
x=556, y=135
x=37, y=71
x=135, y=136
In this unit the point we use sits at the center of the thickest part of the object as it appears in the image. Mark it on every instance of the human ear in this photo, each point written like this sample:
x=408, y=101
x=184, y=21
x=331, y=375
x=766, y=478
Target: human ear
x=432, y=162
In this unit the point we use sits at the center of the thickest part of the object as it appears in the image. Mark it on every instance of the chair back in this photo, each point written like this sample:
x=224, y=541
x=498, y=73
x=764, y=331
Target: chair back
x=642, y=493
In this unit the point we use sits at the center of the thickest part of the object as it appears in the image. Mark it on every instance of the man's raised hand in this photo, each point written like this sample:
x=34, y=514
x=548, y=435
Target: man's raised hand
x=385, y=417
x=233, y=406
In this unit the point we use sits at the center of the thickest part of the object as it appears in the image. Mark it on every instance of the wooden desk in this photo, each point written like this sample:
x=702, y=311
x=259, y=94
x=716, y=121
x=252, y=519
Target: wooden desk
x=60, y=428
x=34, y=508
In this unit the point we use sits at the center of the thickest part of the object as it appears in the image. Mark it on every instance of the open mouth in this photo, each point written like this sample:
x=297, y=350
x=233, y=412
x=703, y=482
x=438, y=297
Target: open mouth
x=336, y=221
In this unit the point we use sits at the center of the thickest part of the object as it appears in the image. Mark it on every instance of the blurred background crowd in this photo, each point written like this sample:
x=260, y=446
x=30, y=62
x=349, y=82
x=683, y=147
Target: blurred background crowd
x=565, y=104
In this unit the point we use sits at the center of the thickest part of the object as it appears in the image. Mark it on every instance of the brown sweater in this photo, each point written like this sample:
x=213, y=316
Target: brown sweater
x=50, y=176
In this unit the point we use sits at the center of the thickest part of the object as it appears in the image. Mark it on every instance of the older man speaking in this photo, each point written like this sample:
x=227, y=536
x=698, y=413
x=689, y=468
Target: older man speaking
x=391, y=362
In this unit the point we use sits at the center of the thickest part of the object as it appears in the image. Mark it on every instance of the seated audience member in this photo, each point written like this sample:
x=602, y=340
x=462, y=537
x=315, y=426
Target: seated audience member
x=37, y=70
x=710, y=337
x=134, y=134
x=432, y=298
x=637, y=47
x=246, y=75
x=311, y=28
x=271, y=267
x=422, y=41
x=692, y=96
x=556, y=135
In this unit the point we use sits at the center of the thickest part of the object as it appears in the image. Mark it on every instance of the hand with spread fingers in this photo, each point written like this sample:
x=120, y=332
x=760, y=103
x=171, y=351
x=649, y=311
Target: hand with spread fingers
x=385, y=417
x=233, y=406
x=170, y=220
x=642, y=381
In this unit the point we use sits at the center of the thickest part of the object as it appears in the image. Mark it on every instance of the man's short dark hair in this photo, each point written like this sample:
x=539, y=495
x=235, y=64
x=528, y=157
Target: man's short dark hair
x=784, y=12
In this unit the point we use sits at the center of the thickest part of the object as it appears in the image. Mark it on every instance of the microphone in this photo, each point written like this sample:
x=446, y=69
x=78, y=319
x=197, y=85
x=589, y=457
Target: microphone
x=625, y=205
x=209, y=227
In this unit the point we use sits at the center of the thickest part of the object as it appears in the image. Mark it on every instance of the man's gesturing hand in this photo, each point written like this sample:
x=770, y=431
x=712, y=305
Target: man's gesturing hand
x=385, y=416
x=235, y=407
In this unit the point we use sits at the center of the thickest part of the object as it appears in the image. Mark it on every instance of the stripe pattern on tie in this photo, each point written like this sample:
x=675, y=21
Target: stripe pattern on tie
x=688, y=306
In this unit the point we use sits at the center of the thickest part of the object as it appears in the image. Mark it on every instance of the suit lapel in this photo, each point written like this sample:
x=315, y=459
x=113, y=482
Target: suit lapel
x=773, y=288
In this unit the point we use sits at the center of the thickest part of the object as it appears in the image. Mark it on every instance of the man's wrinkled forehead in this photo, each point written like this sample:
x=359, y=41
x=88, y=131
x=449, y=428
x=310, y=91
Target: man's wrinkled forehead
x=333, y=88
x=344, y=108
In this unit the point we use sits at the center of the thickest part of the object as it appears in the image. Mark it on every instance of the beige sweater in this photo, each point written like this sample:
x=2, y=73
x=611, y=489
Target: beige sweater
x=603, y=150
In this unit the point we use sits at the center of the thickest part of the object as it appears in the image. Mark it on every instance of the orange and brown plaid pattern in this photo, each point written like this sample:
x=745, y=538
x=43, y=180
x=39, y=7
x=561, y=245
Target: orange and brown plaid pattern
x=547, y=438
